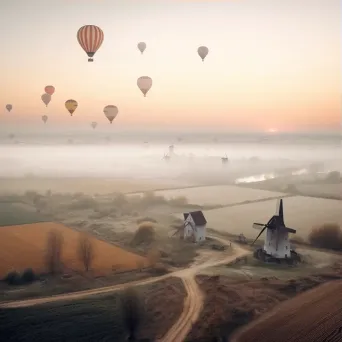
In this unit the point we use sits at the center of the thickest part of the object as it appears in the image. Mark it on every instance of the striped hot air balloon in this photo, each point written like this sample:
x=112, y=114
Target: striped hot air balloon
x=90, y=37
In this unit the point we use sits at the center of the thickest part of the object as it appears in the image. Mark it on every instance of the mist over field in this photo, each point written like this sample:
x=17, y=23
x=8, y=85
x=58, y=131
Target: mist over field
x=140, y=155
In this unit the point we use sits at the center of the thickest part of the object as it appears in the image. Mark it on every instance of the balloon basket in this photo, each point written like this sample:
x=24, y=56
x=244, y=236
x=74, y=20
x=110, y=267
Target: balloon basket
x=90, y=60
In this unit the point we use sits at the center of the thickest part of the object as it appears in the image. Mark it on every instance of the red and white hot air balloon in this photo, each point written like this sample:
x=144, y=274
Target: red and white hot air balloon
x=49, y=89
x=90, y=37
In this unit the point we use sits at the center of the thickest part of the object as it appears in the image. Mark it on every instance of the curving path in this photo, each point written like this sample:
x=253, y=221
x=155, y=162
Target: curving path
x=193, y=303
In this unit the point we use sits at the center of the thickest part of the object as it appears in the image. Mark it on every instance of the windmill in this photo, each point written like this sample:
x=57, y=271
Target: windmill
x=277, y=244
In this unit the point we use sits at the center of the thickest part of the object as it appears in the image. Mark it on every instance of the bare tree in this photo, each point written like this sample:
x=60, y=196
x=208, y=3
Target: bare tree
x=132, y=312
x=86, y=251
x=54, y=251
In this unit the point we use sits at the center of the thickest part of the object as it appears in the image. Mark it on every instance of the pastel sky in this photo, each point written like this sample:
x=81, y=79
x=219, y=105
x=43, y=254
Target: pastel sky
x=272, y=63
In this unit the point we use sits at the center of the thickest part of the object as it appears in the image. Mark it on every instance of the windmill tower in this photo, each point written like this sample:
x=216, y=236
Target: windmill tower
x=277, y=244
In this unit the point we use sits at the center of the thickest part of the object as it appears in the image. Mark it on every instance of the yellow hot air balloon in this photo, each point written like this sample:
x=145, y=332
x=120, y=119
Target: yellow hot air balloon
x=71, y=106
x=90, y=37
x=142, y=47
x=203, y=52
x=144, y=83
x=46, y=98
x=111, y=112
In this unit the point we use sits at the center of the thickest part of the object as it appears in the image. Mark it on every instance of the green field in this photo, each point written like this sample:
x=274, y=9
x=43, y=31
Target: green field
x=19, y=213
x=301, y=213
x=95, y=319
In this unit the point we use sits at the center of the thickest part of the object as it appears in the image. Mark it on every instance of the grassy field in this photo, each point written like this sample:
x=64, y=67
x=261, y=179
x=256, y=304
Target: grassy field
x=301, y=213
x=24, y=246
x=95, y=318
x=218, y=195
x=19, y=213
x=85, y=185
x=313, y=316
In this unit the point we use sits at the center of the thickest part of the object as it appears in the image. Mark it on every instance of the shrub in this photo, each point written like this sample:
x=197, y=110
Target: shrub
x=83, y=203
x=149, y=198
x=13, y=278
x=28, y=276
x=145, y=233
x=328, y=236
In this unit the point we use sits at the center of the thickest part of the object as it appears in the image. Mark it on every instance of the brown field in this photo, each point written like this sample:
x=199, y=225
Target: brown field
x=314, y=316
x=23, y=247
x=301, y=213
x=218, y=195
x=86, y=185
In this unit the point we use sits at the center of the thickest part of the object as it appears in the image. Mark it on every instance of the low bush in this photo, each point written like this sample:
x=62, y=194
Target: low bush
x=13, y=278
x=28, y=276
x=145, y=233
x=328, y=236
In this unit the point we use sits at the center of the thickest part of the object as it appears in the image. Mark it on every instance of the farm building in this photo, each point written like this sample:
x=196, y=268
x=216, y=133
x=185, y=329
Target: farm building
x=195, y=226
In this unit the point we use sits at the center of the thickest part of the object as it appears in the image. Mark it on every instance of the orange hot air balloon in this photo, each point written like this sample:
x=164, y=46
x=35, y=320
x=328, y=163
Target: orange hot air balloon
x=49, y=89
x=90, y=37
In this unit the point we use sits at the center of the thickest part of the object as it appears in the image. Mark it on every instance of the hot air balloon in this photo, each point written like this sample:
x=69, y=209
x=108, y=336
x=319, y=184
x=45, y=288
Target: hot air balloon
x=9, y=107
x=203, y=52
x=46, y=98
x=49, y=89
x=144, y=83
x=90, y=37
x=111, y=112
x=93, y=124
x=44, y=118
x=142, y=47
x=71, y=106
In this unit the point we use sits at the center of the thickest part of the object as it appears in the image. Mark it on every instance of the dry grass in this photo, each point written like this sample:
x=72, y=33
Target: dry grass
x=24, y=246
x=215, y=195
x=324, y=190
x=231, y=304
x=301, y=213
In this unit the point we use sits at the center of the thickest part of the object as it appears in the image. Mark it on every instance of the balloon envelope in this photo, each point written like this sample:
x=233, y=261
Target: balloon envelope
x=111, y=112
x=46, y=98
x=203, y=52
x=44, y=118
x=94, y=124
x=142, y=47
x=90, y=37
x=49, y=89
x=9, y=107
x=71, y=106
x=144, y=83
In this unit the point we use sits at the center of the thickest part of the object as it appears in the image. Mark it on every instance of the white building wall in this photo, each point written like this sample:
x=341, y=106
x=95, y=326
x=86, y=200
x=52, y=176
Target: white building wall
x=282, y=250
x=200, y=233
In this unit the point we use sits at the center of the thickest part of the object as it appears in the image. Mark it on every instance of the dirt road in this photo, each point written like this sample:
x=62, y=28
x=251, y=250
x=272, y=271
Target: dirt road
x=192, y=304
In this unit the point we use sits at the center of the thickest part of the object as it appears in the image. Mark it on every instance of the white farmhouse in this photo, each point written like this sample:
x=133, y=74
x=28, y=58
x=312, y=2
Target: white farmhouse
x=195, y=226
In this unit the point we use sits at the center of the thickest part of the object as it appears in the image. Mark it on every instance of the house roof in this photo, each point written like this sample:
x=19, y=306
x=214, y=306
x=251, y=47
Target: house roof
x=197, y=216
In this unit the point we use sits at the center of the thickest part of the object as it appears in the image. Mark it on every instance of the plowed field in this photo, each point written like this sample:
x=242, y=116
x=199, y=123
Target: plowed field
x=24, y=246
x=315, y=316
